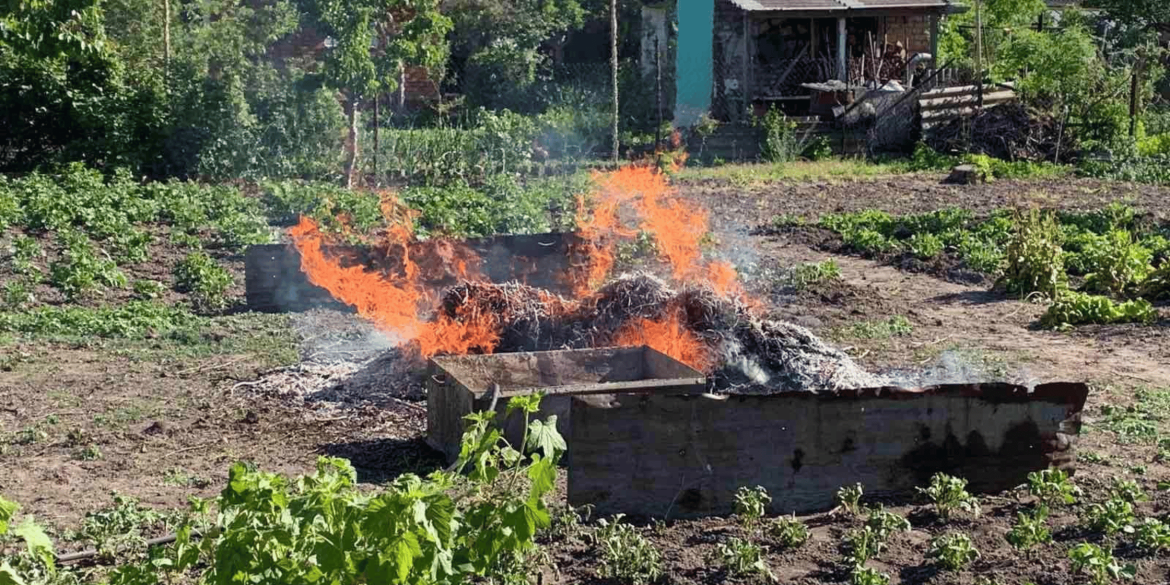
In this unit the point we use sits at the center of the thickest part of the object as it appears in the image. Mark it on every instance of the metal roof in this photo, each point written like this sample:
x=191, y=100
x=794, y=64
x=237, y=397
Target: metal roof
x=817, y=5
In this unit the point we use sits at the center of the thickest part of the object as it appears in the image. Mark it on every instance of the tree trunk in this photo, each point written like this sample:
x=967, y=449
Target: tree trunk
x=613, y=45
x=351, y=145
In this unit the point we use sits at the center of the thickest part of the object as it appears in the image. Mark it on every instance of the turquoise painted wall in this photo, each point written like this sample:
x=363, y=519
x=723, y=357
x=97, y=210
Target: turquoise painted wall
x=694, y=65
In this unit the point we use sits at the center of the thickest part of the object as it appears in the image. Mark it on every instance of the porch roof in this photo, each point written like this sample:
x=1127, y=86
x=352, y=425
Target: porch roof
x=838, y=5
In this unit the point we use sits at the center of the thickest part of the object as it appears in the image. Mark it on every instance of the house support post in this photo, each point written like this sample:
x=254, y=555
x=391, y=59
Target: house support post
x=842, y=64
x=747, y=56
x=934, y=41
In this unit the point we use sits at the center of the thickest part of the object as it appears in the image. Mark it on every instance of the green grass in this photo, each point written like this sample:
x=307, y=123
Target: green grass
x=1140, y=422
x=884, y=329
x=747, y=174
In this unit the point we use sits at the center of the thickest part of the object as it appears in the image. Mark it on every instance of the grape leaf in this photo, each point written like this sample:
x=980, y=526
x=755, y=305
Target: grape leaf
x=7, y=511
x=543, y=437
x=38, y=542
x=8, y=576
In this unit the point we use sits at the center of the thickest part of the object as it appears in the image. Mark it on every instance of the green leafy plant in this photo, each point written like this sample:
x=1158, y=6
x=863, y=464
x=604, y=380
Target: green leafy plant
x=626, y=555
x=780, y=142
x=751, y=504
x=864, y=544
x=953, y=551
x=897, y=325
x=25, y=250
x=1153, y=535
x=1113, y=516
x=1035, y=260
x=925, y=245
x=1127, y=490
x=789, y=531
x=803, y=275
x=206, y=281
x=148, y=289
x=861, y=575
x=80, y=270
x=1074, y=308
x=949, y=494
x=118, y=528
x=1099, y=564
x=884, y=522
x=134, y=319
x=849, y=498
x=1052, y=487
x=89, y=453
x=743, y=558
x=1030, y=529
x=1118, y=264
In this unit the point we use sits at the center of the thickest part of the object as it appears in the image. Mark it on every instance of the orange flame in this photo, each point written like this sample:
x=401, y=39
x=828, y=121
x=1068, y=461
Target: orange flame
x=394, y=302
x=668, y=335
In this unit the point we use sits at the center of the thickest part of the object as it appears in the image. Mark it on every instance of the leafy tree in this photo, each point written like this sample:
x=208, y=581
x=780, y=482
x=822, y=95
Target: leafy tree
x=1152, y=14
x=372, y=41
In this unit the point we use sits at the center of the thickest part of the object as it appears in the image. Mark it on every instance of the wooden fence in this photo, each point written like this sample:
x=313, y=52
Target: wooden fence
x=940, y=106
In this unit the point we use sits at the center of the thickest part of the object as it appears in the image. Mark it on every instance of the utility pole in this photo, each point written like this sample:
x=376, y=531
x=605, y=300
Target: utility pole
x=613, y=46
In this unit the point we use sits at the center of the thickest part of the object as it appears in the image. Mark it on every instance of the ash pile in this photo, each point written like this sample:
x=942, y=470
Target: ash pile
x=742, y=352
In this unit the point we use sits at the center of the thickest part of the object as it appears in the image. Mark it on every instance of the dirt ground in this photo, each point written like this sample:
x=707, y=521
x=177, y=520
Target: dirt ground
x=168, y=420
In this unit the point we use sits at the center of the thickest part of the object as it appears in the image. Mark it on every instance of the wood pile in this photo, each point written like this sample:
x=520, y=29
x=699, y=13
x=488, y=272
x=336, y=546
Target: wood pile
x=1008, y=132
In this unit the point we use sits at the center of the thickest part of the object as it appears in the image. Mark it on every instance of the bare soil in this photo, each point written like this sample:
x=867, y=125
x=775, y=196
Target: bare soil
x=169, y=420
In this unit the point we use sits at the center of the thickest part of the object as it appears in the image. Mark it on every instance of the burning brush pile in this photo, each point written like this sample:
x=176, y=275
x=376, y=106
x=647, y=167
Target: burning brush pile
x=702, y=319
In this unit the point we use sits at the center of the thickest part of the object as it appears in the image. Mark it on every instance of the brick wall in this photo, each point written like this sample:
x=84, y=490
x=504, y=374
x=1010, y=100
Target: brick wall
x=912, y=31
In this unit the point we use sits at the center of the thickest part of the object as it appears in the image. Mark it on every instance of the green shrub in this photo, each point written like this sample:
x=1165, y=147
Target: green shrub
x=981, y=256
x=10, y=214
x=789, y=531
x=883, y=522
x=1035, y=261
x=1118, y=264
x=1127, y=490
x=1073, y=308
x=25, y=250
x=818, y=148
x=780, y=144
x=864, y=544
x=626, y=555
x=1156, y=287
x=148, y=289
x=949, y=494
x=926, y=158
x=953, y=551
x=203, y=279
x=1155, y=145
x=17, y=294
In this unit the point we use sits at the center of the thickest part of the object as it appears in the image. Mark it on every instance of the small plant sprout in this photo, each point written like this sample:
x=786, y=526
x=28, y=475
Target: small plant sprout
x=1153, y=535
x=1052, y=486
x=751, y=504
x=849, y=498
x=949, y=494
x=742, y=558
x=1099, y=565
x=626, y=555
x=865, y=576
x=1113, y=517
x=789, y=531
x=953, y=551
x=864, y=544
x=1030, y=529
x=1128, y=490
x=885, y=523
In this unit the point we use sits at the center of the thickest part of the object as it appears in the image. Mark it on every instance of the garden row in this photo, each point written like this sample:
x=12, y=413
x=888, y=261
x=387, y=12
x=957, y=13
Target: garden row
x=1103, y=266
x=488, y=518
x=112, y=256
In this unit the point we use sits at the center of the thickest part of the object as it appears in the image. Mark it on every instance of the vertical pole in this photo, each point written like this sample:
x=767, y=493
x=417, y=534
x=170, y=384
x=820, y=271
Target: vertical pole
x=401, y=86
x=657, y=92
x=377, y=98
x=613, y=47
x=979, y=49
x=166, y=43
x=812, y=38
x=933, y=41
x=842, y=63
x=743, y=83
x=1134, y=83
